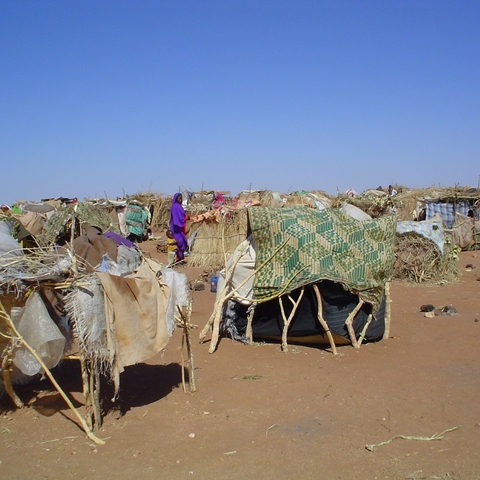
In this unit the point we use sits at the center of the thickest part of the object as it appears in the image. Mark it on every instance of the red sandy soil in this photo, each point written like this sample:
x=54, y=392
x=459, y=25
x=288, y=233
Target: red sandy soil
x=259, y=413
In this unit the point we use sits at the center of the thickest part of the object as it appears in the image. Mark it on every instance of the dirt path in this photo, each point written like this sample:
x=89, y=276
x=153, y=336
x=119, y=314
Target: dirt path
x=263, y=414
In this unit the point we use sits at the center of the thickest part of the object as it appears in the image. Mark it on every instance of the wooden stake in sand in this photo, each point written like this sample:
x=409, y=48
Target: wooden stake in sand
x=322, y=321
x=349, y=321
x=287, y=321
x=7, y=381
x=184, y=322
x=388, y=311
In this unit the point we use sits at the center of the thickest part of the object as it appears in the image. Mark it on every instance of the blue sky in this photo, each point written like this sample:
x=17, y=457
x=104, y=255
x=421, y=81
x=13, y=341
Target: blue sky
x=111, y=97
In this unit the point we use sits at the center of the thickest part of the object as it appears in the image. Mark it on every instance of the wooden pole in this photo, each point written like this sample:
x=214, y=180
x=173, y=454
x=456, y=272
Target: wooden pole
x=364, y=330
x=388, y=311
x=349, y=321
x=7, y=381
x=250, y=314
x=322, y=321
x=287, y=321
x=186, y=342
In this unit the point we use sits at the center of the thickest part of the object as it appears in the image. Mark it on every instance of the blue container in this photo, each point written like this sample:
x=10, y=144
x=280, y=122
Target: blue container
x=213, y=284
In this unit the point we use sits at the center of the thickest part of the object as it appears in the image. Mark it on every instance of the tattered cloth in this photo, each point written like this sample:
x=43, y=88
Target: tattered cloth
x=135, y=308
x=297, y=246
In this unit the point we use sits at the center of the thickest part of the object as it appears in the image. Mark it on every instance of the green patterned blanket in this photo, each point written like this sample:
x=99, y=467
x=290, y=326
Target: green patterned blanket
x=300, y=245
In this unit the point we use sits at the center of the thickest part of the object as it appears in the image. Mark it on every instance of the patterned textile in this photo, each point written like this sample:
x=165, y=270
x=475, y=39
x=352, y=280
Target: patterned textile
x=447, y=211
x=136, y=219
x=431, y=229
x=296, y=246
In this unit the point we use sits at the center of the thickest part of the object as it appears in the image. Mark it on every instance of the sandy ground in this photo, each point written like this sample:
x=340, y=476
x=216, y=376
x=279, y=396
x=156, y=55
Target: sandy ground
x=260, y=413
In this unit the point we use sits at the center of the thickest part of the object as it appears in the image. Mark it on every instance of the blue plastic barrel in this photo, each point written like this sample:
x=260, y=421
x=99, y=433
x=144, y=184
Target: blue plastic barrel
x=213, y=284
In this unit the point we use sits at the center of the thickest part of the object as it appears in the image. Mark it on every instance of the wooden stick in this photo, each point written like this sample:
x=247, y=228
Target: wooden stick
x=86, y=392
x=219, y=299
x=250, y=314
x=95, y=393
x=287, y=321
x=349, y=321
x=191, y=365
x=388, y=311
x=184, y=388
x=365, y=328
x=7, y=381
x=87, y=430
x=186, y=341
x=322, y=321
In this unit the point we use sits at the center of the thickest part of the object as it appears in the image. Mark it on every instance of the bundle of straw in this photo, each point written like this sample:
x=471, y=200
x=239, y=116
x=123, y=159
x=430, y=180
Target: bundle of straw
x=418, y=260
x=215, y=242
x=84, y=212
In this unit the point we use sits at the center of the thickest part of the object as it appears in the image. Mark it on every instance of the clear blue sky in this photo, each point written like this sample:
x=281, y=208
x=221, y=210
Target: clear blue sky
x=151, y=95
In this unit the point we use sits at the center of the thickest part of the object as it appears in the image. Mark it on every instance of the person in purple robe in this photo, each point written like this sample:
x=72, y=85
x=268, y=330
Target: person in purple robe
x=177, y=225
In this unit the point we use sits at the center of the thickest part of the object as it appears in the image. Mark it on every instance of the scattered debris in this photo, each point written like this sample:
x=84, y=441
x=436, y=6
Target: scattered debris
x=436, y=436
x=447, y=310
x=269, y=428
x=427, y=308
x=251, y=377
x=430, y=311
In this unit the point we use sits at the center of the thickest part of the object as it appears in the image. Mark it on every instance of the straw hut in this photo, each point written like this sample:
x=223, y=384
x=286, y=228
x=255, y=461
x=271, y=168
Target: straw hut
x=213, y=240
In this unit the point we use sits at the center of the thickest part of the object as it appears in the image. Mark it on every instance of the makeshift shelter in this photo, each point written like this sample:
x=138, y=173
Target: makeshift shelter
x=459, y=209
x=424, y=252
x=375, y=203
x=53, y=307
x=213, y=240
x=217, y=229
x=323, y=256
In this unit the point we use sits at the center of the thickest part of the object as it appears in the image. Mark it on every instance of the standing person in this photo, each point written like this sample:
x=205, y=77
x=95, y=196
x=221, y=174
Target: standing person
x=177, y=225
x=391, y=191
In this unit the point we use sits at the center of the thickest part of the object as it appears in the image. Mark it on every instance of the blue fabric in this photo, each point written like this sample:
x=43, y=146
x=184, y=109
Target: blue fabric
x=431, y=229
x=447, y=211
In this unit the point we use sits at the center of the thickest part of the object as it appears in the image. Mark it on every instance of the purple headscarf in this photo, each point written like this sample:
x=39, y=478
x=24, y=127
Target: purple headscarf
x=177, y=225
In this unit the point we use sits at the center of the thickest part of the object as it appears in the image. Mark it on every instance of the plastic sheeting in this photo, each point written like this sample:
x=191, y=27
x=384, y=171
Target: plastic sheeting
x=41, y=333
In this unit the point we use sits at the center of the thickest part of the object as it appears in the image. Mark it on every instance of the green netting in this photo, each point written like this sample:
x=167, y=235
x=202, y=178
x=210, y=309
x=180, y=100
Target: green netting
x=301, y=245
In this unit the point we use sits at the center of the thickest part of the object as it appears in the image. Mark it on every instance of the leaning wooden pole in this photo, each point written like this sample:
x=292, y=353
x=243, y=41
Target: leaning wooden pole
x=7, y=381
x=322, y=321
x=82, y=421
x=349, y=321
x=287, y=321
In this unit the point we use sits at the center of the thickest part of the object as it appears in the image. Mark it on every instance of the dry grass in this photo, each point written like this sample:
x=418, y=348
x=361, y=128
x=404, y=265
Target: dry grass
x=60, y=224
x=418, y=260
x=215, y=242
x=161, y=212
